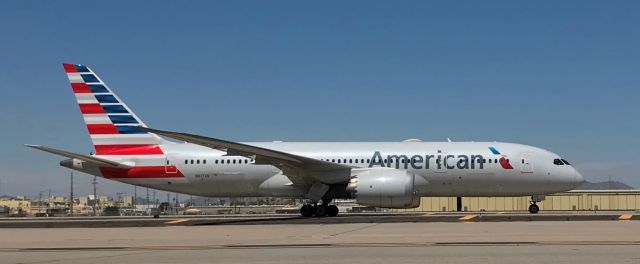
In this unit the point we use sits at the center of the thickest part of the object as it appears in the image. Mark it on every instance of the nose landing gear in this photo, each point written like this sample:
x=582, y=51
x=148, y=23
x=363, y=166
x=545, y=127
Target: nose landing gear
x=533, y=208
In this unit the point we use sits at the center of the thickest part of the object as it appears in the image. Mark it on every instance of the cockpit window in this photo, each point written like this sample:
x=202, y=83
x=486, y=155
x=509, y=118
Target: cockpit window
x=565, y=161
x=558, y=162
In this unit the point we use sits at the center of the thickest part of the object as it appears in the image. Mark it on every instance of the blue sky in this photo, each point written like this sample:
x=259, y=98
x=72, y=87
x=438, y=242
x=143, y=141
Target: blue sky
x=558, y=75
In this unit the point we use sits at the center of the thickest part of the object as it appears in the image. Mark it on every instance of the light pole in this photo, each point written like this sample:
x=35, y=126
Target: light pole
x=40, y=207
x=71, y=196
x=147, y=199
x=135, y=196
x=95, y=198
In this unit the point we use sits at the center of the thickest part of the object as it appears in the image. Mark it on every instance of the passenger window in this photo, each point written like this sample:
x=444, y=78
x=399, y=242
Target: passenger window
x=489, y=160
x=350, y=160
x=361, y=160
x=368, y=160
x=228, y=161
x=186, y=162
x=197, y=161
x=191, y=161
x=344, y=161
x=204, y=161
x=216, y=161
x=558, y=162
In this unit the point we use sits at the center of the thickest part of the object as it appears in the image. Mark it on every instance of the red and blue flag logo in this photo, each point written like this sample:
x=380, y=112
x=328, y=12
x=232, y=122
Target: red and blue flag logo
x=504, y=160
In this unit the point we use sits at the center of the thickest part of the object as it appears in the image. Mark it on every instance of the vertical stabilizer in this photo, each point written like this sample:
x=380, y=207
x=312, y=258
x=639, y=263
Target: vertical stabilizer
x=109, y=121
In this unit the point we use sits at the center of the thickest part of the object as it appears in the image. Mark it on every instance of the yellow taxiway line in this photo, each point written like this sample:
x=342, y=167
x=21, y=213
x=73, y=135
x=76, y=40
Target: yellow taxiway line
x=625, y=217
x=467, y=217
x=178, y=221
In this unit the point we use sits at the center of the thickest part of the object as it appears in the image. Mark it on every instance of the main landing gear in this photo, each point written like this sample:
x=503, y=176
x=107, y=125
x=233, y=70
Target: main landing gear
x=319, y=210
x=533, y=208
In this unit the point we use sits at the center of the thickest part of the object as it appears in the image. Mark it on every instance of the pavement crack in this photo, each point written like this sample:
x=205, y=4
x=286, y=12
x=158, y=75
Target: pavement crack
x=353, y=230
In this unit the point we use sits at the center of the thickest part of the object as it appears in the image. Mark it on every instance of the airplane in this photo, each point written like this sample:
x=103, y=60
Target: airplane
x=378, y=174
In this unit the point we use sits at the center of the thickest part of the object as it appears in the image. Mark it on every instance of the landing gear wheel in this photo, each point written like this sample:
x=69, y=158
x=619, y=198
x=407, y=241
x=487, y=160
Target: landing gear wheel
x=533, y=208
x=332, y=210
x=307, y=210
x=321, y=210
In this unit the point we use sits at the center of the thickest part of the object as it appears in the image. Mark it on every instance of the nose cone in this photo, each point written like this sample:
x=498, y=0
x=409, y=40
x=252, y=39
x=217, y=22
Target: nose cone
x=578, y=179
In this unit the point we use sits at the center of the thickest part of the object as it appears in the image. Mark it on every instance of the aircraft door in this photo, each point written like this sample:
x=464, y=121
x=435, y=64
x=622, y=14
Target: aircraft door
x=169, y=165
x=526, y=163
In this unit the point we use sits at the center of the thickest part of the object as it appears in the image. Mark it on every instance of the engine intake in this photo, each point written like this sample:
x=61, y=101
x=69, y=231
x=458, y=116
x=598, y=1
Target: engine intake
x=383, y=187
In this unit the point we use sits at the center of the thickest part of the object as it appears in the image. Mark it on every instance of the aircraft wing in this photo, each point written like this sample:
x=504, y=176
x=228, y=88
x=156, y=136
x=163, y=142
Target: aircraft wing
x=86, y=158
x=299, y=169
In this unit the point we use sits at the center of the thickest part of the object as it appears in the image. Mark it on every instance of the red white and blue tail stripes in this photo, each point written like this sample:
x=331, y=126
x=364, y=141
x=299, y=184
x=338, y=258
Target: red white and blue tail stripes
x=109, y=121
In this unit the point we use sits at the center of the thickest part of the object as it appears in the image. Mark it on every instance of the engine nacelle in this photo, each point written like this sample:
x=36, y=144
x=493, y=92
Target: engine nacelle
x=77, y=164
x=383, y=187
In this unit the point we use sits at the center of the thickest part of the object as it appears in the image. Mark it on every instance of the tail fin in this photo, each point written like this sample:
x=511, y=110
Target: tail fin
x=109, y=121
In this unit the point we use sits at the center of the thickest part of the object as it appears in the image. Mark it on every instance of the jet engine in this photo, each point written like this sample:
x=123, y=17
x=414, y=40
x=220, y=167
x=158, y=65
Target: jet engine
x=383, y=187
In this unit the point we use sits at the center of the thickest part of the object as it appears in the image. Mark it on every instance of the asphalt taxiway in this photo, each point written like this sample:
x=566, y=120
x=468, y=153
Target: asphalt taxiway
x=408, y=242
x=274, y=219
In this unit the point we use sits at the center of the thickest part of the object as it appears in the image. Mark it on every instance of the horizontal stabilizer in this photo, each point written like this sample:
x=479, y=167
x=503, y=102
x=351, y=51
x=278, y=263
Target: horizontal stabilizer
x=86, y=158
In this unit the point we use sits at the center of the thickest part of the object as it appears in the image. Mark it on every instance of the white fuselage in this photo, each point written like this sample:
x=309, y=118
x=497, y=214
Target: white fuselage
x=442, y=168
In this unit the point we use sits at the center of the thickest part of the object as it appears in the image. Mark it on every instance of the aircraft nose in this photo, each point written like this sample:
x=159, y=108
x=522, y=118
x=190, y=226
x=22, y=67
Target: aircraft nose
x=578, y=179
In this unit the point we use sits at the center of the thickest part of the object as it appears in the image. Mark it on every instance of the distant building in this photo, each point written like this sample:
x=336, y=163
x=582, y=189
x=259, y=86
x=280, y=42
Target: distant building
x=578, y=200
x=18, y=206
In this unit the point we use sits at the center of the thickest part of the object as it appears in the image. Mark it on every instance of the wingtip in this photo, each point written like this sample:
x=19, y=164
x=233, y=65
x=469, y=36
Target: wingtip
x=31, y=145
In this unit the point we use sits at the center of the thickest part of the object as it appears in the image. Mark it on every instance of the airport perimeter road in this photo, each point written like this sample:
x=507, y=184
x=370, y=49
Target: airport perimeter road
x=486, y=242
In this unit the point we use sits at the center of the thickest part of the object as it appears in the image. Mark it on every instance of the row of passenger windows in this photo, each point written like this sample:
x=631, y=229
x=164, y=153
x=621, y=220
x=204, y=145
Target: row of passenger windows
x=356, y=161
x=345, y=161
x=221, y=161
x=349, y=161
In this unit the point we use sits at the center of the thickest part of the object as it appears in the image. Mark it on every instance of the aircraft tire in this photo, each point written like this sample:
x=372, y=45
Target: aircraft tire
x=534, y=209
x=332, y=210
x=307, y=210
x=321, y=210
